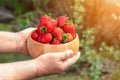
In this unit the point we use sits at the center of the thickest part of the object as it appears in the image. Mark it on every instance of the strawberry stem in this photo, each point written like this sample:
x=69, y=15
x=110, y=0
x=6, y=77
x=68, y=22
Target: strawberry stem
x=49, y=15
x=43, y=29
x=64, y=38
x=70, y=22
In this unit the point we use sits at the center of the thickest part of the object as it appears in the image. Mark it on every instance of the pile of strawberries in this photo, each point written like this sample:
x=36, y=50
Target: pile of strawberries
x=50, y=31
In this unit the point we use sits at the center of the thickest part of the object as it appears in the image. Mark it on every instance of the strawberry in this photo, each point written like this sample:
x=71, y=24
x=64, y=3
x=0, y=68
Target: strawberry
x=45, y=38
x=55, y=41
x=53, y=21
x=69, y=28
x=62, y=20
x=47, y=27
x=57, y=33
x=34, y=35
x=39, y=39
x=67, y=37
x=50, y=25
x=42, y=30
x=43, y=20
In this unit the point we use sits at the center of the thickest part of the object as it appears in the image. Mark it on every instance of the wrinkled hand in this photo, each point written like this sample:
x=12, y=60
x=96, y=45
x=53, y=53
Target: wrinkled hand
x=22, y=41
x=52, y=63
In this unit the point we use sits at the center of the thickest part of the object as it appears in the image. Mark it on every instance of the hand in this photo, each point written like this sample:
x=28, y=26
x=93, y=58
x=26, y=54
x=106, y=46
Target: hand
x=22, y=41
x=52, y=63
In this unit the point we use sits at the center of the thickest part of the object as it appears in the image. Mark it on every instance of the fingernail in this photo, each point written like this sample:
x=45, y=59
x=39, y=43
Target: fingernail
x=69, y=52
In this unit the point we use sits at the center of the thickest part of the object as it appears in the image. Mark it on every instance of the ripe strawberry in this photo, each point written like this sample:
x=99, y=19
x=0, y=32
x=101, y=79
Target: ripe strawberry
x=47, y=27
x=43, y=20
x=62, y=20
x=53, y=21
x=57, y=33
x=55, y=41
x=45, y=38
x=42, y=30
x=34, y=35
x=67, y=37
x=39, y=39
x=69, y=28
x=50, y=25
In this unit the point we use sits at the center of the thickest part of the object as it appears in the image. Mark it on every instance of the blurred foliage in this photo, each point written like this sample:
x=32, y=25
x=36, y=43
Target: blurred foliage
x=13, y=57
x=87, y=39
x=23, y=23
x=87, y=31
x=5, y=27
x=37, y=3
x=1, y=2
x=18, y=8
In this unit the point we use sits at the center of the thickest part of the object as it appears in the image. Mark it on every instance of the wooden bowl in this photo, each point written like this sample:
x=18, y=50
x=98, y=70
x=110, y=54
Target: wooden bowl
x=36, y=49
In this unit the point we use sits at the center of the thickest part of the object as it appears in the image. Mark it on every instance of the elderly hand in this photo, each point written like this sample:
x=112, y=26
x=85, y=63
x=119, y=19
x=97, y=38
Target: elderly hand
x=57, y=62
x=22, y=41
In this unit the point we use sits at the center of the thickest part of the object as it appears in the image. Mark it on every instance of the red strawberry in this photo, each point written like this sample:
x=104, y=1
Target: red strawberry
x=69, y=28
x=53, y=21
x=45, y=38
x=34, y=35
x=39, y=39
x=48, y=26
x=62, y=20
x=43, y=20
x=67, y=37
x=42, y=30
x=57, y=33
x=55, y=41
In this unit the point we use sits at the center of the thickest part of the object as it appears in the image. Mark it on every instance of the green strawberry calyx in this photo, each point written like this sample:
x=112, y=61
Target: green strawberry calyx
x=43, y=29
x=65, y=37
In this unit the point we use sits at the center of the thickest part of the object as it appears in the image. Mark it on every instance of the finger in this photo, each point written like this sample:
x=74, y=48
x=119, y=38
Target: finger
x=28, y=30
x=71, y=61
x=65, y=55
x=31, y=28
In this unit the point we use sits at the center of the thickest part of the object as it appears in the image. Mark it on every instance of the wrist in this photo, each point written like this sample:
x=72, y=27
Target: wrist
x=21, y=43
x=39, y=68
x=17, y=41
x=34, y=68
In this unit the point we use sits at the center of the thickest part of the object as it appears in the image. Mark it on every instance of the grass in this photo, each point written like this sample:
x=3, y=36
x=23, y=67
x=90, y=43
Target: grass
x=13, y=57
x=63, y=76
x=5, y=27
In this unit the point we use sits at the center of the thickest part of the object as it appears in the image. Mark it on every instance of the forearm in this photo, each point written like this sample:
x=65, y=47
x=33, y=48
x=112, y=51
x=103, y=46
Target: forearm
x=15, y=42
x=18, y=70
x=8, y=42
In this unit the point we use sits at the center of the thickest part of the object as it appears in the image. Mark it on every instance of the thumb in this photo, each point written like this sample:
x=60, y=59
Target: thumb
x=28, y=30
x=65, y=55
